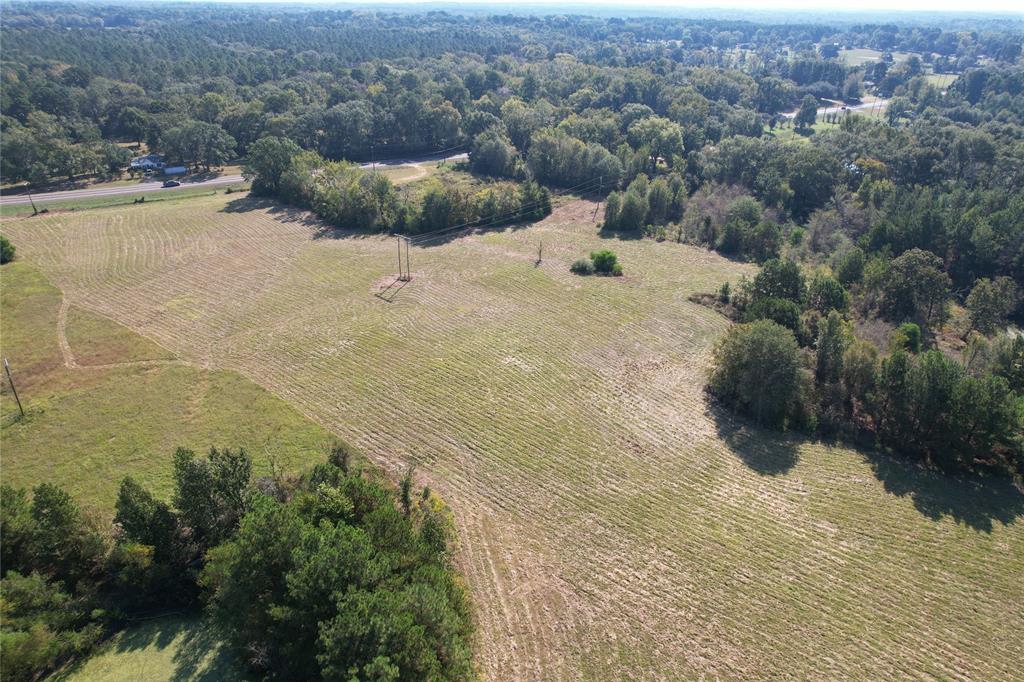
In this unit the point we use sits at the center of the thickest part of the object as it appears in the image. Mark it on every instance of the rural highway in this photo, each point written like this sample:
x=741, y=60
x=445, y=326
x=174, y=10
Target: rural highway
x=154, y=184
x=877, y=104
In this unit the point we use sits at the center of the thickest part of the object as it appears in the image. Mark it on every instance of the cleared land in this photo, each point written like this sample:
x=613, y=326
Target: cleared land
x=862, y=55
x=611, y=524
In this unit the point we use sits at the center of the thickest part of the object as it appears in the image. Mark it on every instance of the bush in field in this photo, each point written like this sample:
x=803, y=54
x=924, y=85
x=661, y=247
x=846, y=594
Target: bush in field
x=907, y=337
x=6, y=250
x=582, y=267
x=606, y=263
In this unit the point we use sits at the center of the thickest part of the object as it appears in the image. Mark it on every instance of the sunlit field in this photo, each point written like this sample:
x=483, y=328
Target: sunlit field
x=612, y=523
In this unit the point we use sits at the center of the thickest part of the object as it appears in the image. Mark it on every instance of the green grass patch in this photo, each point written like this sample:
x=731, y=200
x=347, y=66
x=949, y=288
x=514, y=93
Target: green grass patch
x=169, y=648
x=862, y=55
x=940, y=80
x=87, y=428
x=410, y=172
x=96, y=340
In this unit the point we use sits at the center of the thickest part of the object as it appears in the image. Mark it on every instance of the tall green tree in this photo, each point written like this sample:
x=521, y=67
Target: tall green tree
x=751, y=357
x=268, y=159
x=808, y=112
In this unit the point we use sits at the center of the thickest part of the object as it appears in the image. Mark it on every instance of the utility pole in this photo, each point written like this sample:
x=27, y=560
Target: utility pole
x=399, y=238
x=7, y=367
x=35, y=211
x=408, y=270
x=540, y=252
x=599, y=190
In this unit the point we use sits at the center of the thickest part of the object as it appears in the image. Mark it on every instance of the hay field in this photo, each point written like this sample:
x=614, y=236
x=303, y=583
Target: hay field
x=612, y=525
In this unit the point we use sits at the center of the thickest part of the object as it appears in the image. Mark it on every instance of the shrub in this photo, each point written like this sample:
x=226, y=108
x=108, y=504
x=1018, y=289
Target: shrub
x=6, y=250
x=606, y=263
x=779, y=279
x=850, y=267
x=907, y=337
x=582, y=267
x=825, y=293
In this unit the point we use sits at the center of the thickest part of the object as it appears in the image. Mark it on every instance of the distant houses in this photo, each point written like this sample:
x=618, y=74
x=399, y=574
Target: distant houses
x=147, y=162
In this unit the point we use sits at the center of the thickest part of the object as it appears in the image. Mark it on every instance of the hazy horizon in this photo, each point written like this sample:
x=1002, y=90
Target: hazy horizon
x=862, y=7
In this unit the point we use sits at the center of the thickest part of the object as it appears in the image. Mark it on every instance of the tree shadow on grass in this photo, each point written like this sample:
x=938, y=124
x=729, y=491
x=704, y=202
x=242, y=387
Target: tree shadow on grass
x=769, y=453
x=198, y=652
x=975, y=501
x=978, y=502
x=282, y=212
x=429, y=241
x=621, y=235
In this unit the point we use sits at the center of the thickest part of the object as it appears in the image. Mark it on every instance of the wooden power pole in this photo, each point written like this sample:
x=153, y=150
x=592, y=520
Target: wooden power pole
x=399, y=240
x=7, y=368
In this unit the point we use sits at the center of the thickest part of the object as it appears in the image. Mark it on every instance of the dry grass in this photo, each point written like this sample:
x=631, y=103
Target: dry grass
x=611, y=524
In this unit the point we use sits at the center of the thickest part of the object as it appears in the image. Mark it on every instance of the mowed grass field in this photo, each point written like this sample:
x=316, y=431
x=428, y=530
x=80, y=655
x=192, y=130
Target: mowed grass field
x=103, y=402
x=862, y=55
x=612, y=524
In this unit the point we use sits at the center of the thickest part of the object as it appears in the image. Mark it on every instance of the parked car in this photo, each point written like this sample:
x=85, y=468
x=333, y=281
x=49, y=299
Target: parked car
x=171, y=183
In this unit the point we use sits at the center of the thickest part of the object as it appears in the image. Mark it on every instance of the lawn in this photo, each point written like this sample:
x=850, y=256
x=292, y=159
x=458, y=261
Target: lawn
x=409, y=172
x=941, y=80
x=612, y=523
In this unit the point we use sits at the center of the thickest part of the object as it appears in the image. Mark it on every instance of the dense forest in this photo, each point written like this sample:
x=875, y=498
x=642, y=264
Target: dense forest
x=333, y=574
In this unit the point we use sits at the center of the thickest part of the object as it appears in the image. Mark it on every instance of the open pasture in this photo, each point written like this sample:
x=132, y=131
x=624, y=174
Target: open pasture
x=612, y=524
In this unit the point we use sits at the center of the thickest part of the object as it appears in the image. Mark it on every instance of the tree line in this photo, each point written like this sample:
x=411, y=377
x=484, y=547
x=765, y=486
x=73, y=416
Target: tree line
x=345, y=195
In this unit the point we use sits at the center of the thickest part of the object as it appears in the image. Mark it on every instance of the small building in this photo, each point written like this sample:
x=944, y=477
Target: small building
x=147, y=162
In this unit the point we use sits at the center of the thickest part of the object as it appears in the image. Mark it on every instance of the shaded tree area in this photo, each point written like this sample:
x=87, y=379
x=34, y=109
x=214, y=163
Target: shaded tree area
x=958, y=414
x=371, y=562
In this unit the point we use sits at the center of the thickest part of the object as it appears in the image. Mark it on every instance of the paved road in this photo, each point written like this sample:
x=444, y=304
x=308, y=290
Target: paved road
x=154, y=185
x=878, y=104
x=151, y=186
